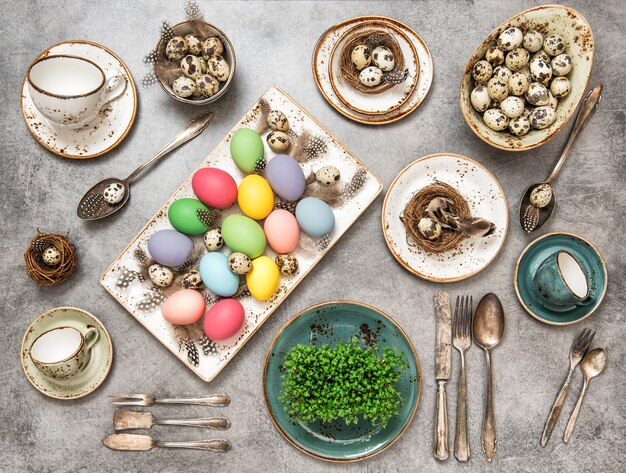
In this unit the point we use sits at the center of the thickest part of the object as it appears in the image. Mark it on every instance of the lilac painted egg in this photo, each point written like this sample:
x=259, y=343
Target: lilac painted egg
x=286, y=177
x=169, y=247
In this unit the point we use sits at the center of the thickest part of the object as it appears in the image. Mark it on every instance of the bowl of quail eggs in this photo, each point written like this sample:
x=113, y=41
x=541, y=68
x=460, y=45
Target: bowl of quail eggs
x=197, y=64
x=526, y=79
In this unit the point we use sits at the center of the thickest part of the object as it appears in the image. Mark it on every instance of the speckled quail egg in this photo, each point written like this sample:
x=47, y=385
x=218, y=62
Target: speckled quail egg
x=278, y=141
x=160, y=275
x=519, y=126
x=383, y=58
x=176, y=48
x=277, y=120
x=51, y=256
x=495, y=119
x=361, y=56
x=560, y=87
x=218, y=67
x=526, y=71
x=193, y=66
x=207, y=85
x=480, y=98
x=494, y=56
x=541, y=195
x=287, y=264
x=517, y=59
x=482, y=71
x=429, y=228
x=494, y=104
x=114, y=193
x=502, y=72
x=554, y=102
x=518, y=84
x=562, y=65
x=533, y=41
x=212, y=46
x=239, y=263
x=184, y=86
x=371, y=76
x=194, y=43
x=510, y=39
x=537, y=94
x=192, y=280
x=542, y=117
x=527, y=110
x=327, y=175
x=554, y=45
x=512, y=106
x=541, y=55
x=540, y=70
x=497, y=88
x=213, y=239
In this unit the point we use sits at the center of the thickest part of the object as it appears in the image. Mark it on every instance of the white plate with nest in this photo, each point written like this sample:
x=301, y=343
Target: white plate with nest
x=485, y=199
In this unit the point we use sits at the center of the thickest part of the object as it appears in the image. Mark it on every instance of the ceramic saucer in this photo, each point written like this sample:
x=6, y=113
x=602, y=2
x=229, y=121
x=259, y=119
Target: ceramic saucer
x=322, y=57
x=87, y=380
x=328, y=323
x=106, y=131
x=384, y=102
x=482, y=192
x=537, y=251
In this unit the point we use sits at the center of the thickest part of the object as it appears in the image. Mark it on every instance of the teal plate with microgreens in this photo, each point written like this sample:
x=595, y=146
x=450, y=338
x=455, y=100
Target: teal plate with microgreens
x=536, y=252
x=329, y=323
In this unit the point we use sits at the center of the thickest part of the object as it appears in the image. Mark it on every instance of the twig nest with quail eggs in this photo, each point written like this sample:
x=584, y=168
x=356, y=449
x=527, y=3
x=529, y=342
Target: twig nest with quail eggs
x=50, y=258
x=371, y=62
x=519, y=81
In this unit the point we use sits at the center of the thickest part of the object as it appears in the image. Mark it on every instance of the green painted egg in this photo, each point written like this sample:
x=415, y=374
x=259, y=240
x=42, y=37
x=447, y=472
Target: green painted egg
x=246, y=149
x=190, y=216
x=243, y=235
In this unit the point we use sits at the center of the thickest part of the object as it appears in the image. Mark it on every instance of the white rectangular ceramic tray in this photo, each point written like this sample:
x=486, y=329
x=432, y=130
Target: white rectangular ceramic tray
x=313, y=146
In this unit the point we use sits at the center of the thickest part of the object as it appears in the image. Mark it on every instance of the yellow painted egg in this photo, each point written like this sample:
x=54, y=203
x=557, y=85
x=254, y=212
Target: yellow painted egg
x=263, y=280
x=255, y=197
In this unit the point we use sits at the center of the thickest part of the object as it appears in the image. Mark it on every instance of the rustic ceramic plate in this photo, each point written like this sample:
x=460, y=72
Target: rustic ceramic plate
x=548, y=19
x=390, y=99
x=106, y=131
x=127, y=277
x=94, y=373
x=328, y=323
x=485, y=198
x=321, y=60
x=536, y=252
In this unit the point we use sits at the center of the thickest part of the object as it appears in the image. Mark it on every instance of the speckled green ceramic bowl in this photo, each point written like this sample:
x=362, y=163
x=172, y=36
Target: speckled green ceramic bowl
x=328, y=323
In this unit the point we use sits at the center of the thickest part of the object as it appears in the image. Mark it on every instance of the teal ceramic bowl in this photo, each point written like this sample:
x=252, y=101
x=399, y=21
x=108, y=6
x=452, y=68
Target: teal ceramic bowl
x=536, y=252
x=328, y=323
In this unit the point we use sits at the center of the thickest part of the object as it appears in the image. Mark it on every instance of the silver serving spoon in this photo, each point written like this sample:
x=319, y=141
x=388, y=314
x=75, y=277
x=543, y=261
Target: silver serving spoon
x=93, y=205
x=532, y=216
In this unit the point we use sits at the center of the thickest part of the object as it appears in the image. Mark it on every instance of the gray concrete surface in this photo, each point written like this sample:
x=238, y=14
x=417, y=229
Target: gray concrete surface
x=274, y=41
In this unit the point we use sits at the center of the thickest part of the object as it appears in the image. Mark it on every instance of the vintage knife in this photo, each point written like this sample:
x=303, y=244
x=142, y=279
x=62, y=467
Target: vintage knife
x=123, y=420
x=145, y=442
x=443, y=368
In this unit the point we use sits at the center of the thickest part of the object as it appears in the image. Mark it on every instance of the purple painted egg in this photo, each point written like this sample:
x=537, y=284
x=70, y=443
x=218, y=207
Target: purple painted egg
x=286, y=177
x=169, y=247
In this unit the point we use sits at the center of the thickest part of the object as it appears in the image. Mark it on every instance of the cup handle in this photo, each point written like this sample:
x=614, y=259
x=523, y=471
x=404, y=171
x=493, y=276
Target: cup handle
x=91, y=336
x=589, y=300
x=115, y=85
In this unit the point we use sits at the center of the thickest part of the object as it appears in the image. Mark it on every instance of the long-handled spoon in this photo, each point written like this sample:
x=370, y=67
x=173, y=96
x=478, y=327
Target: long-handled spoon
x=592, y=365
x=93, y=205
x=533, y=215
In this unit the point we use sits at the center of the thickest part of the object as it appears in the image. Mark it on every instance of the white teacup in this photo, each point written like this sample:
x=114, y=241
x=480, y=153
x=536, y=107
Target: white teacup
x=71, y=90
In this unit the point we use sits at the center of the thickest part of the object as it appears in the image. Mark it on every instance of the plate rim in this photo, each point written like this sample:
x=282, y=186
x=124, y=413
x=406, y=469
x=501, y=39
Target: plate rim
x=366, y=18
x=536, y=241
x=399, y=258
x=131, y=82
x=417, y=367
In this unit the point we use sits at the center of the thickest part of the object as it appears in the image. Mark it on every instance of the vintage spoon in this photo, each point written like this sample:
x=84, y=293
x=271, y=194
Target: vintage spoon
x=592, y=365
x=532, y=217
x=488, y=328
x=93, y=206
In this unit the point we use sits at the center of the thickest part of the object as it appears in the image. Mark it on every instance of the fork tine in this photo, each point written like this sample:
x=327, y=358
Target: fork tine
x=126, y=396
x=128, y=403
x=470, y=314
x=588, y=340
x=455, y=321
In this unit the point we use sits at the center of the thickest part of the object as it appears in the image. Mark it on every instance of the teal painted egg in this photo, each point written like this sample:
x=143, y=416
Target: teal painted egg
x=315, y=217
x=217, y=276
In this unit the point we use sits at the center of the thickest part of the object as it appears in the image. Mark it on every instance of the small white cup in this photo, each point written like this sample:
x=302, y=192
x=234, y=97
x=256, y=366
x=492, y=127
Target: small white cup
x=70, y=91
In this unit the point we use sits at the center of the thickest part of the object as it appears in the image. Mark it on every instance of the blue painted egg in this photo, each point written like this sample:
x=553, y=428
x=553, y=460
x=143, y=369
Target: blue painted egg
x=217, y=276
x=286, y=177
x=315, y=217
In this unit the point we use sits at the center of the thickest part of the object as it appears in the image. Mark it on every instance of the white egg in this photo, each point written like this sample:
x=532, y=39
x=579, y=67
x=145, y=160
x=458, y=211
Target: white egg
x=371, y=76
x=481, y=72
x=218, y=68
x=560, y=87
x=518, y=84
x=383, y=58
x=193, y=66
x=114, y=193
x=497, y=88
x=184, y=86
x=494, y=56
x=517, y=59
x=562, y=65
x=542, y=117
x=207, y=85
x=510, y=39
x=495, y=119
x=512, y=106
x=554, y=45
x=519, y=126
x=533, y=41
x=160, y=275
x=502, y=72
x=480, y=98
x=361, y=57
x=537, y=94
x=540, y=70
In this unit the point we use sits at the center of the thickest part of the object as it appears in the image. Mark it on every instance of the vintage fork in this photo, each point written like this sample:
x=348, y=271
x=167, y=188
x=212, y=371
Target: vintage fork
x=147, y=400
x=462, y=340
x=577, y=352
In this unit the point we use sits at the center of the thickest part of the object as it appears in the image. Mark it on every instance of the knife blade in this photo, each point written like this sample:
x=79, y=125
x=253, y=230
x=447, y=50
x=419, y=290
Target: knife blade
x=443, y=369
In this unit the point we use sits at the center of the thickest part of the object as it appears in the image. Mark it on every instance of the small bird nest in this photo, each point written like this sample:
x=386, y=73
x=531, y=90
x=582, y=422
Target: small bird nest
x=372, y=39
x=40, y=272
x=416, y=209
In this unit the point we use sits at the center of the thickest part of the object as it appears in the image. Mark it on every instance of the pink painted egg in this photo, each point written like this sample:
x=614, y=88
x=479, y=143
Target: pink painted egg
x=224, y=319
x=183, y=307
x=282, y=231
x=214, y=187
